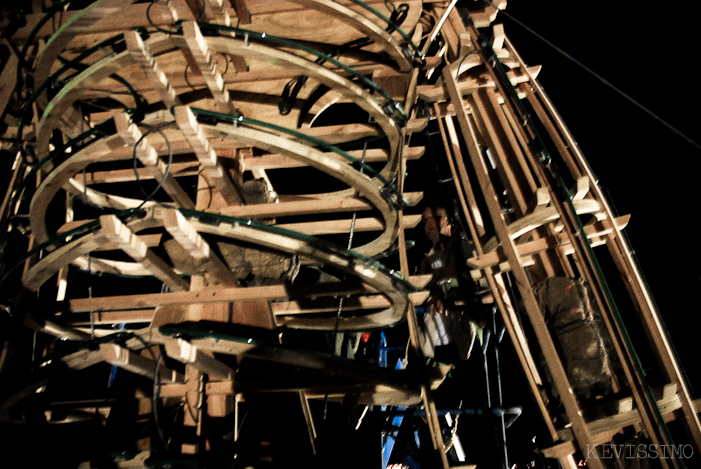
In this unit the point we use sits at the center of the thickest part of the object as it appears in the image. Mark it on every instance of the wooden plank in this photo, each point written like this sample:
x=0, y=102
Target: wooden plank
x=363, y=24
x=308, y=206
x=529, y=248
x=522, y=281
x=207, y=67
x=225, y=295
x=603, y=429
x=371, y=155
x=156, y=77
x=185, y=352
x=8, y=76
x=343, y=226
x=326, y=305
x=125, y=358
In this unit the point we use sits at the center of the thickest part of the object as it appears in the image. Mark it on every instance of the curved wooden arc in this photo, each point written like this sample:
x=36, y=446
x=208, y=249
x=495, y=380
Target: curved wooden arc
x=386, y=283
x=63, y=176
x=354, y=19
x=159, y=43
x=75, y=25
x=366, y=187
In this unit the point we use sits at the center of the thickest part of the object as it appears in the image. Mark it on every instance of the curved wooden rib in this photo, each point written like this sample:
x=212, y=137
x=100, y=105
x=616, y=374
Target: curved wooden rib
x=540, y=217
x=102, y=150
x=75, y=25
x=366, y=187
x=278, y=240
x=101, y=70
x=387, y=42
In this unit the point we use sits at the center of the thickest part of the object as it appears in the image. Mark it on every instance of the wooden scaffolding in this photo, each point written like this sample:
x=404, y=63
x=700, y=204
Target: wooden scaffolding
x=177, y=163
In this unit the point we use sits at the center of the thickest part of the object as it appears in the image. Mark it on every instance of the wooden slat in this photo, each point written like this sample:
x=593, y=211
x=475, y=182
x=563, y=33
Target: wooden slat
x=185, y=352
x=326, y=305
x=530, y=248
x=343, y=226
x=225, y=295
x=125, y=358
x=522, y=280
x=207, y=67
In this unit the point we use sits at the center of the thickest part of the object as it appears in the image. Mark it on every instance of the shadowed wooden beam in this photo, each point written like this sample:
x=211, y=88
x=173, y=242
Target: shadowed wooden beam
x=225, y=295
x=185, y=352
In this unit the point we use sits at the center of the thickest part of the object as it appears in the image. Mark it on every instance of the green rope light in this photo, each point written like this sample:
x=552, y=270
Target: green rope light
x=395, y=197
x=60, y=238
x=98, y=129
x=46, y=83
x=417, y=53
x=400, y=282
x=392, y=108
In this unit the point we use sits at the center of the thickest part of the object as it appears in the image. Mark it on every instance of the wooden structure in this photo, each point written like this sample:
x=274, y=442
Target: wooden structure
x=175, y=169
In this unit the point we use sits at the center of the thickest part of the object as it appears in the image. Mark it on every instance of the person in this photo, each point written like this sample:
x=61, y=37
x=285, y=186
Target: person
x=452, y=323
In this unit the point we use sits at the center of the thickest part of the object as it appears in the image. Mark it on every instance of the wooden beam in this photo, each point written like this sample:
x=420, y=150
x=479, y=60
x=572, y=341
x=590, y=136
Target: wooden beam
x=226, y=295
x=185, y=352
x=125, y=358
x=187, y=122
x=154, y=74
x=317, y=228
x=182, y=231
x=148, y=156
x=325, y=305
x=207, y=67
x=117, y=232
x=529, y=248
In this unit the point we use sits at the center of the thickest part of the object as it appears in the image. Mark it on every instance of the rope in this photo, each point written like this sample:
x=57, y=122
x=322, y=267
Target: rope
x=601, y=79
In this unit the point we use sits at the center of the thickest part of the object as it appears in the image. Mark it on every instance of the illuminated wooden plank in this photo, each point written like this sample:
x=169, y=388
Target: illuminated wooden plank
x=561, y=241
x=316, y=228
x=308, y=206
x=371, y=155
x=141, y=55
x=207, y=67
x=354, y=19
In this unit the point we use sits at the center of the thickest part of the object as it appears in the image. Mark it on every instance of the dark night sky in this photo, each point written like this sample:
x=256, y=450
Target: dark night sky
x=645, y=49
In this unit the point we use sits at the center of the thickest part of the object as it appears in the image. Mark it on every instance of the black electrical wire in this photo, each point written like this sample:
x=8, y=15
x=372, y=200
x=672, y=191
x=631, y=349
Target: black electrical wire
x=159, y=129
x=292, y=88
x=156, y=391
x=176, y=31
